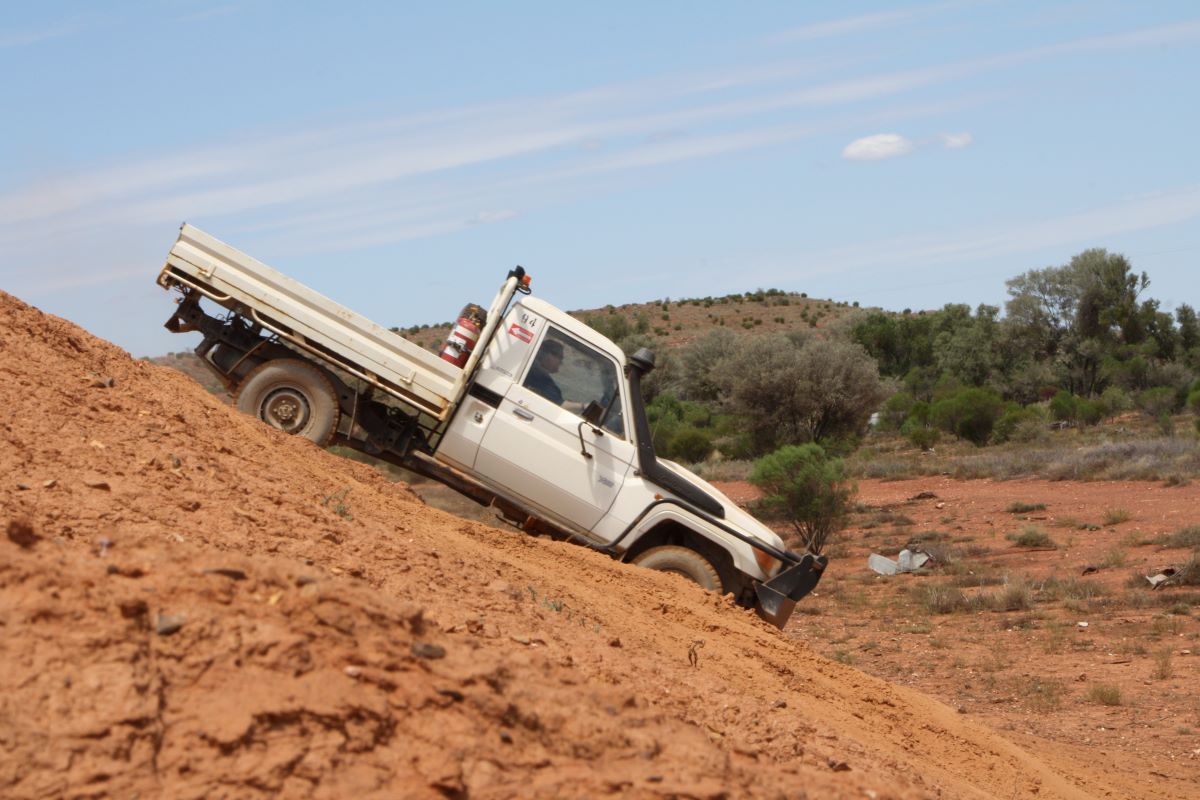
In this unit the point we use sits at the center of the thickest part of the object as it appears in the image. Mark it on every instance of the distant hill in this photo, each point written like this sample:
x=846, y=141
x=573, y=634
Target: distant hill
x=675, y=322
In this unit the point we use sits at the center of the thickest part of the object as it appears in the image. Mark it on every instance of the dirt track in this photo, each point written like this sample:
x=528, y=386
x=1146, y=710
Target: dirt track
x=192, y=605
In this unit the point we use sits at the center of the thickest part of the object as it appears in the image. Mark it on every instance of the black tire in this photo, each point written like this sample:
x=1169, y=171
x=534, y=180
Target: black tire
x=682, y=561
x=293, y=396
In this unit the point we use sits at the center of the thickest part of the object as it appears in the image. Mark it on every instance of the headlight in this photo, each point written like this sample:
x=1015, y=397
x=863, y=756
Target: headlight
x=766, y=562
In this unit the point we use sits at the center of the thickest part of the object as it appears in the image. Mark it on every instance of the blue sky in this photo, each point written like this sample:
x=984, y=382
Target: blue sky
x=401, y=157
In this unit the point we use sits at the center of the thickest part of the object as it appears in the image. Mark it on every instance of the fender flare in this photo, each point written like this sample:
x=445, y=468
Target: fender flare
x=740, y=553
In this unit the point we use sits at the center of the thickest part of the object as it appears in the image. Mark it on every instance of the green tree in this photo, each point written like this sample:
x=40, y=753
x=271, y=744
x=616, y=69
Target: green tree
x=808, y=488
x=1063, y=406
x=898, y=344
x=699, y=360
x=788, y=393
x=969, y=414
x=1077, y=313
x=967, y=348
x=1189, y=328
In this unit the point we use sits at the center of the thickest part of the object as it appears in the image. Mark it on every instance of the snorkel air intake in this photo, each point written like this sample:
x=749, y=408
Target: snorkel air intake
x=641, y=363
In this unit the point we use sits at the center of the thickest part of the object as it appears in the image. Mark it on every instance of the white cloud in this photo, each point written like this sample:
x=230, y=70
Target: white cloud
x=878, y=147
x=956, y=141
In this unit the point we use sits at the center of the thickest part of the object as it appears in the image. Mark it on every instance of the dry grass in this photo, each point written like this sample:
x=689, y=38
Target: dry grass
x=1031, y=536
x=1115, y=516
x=1163, y=669
x=1044, y=694
x=1150, y=457
x=1115, y=557
x=1104, y=695
x=1184, y=537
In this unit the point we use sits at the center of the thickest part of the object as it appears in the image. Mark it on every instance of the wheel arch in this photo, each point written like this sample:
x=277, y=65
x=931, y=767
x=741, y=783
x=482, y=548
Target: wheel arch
x=674, y=532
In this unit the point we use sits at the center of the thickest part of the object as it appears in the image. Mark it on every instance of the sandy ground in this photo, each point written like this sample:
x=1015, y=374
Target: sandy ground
x=1092, y=619
x=193, y=605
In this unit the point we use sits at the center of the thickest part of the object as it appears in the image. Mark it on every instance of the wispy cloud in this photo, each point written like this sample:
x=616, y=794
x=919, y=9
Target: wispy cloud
x=426, y=174
x=956, y=141
x=29, y=37
x=856, y=24
x=878, y=147
x=1018, y=236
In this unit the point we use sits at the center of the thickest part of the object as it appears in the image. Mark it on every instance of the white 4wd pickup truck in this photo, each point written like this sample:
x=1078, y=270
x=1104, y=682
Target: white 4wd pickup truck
x=527, y=410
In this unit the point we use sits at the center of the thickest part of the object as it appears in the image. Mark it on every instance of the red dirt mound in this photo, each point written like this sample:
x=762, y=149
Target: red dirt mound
x=194, y=605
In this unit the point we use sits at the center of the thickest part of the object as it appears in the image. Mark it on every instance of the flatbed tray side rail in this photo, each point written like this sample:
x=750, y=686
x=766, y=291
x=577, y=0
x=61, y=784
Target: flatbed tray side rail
x=314, y=323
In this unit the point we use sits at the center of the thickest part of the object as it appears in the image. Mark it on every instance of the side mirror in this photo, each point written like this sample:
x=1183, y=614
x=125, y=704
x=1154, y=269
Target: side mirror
x=593, y=413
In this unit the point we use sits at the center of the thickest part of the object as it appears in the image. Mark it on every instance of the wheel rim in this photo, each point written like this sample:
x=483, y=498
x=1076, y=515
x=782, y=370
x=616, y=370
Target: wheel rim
x=286, y=409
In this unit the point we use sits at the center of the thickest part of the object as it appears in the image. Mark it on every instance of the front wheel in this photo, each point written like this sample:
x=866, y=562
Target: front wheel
x=293, y=396
x=682, y=561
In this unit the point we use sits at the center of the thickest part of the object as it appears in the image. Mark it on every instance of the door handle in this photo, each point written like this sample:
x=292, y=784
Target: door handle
x=522, y=413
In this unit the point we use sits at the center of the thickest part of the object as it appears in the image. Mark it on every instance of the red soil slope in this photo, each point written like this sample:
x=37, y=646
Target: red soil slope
x=193, y=605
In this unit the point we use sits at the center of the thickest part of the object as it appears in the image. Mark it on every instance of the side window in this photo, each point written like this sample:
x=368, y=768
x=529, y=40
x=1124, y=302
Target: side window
x=571, y=374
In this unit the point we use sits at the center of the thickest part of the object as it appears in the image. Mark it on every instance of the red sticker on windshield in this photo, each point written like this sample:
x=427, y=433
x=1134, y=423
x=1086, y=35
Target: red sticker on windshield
x=519, y=332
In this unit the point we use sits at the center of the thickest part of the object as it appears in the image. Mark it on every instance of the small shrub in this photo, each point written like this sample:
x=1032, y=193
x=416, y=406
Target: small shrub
x=1184, y=537
x=807, y=487
x=1011, y=422
x=1116, y=400
x=1115, y=557
x=1063, y=406
x=1044, y=694
x=1189, y=573
x=1089, y=412
x=1031, y=536
x=1115, y=516
x=691, y=445
x=922, y=437
x=1104, y=695
x=1072, y=588
x=1166, y=424
x=1017, y=507
x=1163, y=669
x=843, y=657
x=969, y=414
x=1165, y=625
x=943, y=599
x=1016, y=596
x=1157, y=401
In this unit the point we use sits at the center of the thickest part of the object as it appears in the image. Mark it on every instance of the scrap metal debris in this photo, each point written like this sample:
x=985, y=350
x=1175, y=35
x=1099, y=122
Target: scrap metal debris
x=1163, y=577
x=907, y=561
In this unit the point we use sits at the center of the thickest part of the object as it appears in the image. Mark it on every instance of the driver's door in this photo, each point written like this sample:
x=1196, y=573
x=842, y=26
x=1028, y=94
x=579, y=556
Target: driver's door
x=547, y=453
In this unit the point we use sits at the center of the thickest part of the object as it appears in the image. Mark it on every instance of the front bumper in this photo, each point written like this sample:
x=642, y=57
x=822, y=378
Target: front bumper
x=777, y=597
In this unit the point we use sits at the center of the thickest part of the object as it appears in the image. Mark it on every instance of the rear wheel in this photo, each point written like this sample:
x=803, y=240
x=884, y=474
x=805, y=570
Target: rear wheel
x=293, y=396
x=682, y=561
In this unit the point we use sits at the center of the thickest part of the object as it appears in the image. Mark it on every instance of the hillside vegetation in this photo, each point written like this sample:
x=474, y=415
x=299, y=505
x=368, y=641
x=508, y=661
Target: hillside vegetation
x=1082, y=375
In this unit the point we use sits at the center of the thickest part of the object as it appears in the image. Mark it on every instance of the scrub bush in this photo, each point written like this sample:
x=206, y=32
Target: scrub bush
x=808, y=488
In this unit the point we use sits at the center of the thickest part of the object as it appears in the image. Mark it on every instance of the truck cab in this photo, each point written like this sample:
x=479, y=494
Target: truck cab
x=553, y=415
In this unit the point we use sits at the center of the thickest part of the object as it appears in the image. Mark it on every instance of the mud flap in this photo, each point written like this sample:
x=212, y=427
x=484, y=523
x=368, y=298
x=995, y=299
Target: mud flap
x=777, y=597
